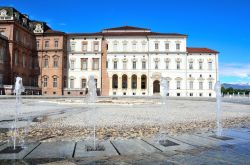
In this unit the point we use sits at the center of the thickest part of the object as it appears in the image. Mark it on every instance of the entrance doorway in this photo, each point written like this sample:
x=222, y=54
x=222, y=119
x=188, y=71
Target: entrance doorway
x=156, y=86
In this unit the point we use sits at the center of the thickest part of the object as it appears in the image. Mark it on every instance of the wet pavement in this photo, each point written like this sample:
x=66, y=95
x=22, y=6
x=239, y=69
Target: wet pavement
x=197, y=148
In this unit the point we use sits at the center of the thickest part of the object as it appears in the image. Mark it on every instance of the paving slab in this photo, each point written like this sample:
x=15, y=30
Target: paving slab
x=133, y=146
x=237, y=134
x=170, y=149
x=2, y=143
x=60, y=149
x=28, y=148
x=196, y=141
x=233, y=141
x=81, y=150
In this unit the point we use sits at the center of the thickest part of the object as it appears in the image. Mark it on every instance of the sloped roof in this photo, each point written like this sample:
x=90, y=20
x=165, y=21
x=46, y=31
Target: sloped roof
x=126, y=28
x=200, y=50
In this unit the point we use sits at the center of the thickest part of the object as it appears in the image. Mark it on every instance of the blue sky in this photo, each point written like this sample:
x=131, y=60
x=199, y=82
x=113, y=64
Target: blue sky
x=223, y=25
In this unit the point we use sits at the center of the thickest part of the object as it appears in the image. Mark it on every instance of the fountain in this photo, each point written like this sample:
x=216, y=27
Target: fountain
x=217, y=89
x=18, y=91
x=91, y=100
x=164, y=85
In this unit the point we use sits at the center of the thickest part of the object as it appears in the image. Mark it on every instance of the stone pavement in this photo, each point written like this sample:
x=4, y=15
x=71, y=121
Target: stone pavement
x=198, y=148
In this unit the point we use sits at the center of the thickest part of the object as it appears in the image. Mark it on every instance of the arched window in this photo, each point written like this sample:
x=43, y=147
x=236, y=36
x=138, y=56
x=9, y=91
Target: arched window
x=55, y=81
x=134, y=81
x=124, y=81
x=115, y=81
x=143, y=82
x=45, y=81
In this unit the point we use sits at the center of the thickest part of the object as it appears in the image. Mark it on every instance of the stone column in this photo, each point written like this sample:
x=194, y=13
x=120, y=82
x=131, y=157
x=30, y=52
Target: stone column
x=119, y=83
x=138, y=83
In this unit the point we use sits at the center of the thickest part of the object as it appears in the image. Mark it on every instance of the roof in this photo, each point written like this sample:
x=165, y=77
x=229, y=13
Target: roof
x=50, y=31
x=126, y=28
x=85, y=34
x=200, y=50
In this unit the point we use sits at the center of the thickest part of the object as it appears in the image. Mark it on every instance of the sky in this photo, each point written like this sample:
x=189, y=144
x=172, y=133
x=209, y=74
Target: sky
x=222, y=25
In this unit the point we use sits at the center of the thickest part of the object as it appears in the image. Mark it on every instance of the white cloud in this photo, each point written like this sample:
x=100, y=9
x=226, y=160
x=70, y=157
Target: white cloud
x=240, y=70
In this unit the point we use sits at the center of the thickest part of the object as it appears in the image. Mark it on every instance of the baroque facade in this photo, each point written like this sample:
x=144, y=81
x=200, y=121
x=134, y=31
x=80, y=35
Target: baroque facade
x=125, y=60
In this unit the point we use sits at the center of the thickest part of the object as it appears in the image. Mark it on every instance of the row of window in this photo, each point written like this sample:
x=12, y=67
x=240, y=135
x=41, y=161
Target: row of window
x=23, y=61
x=84, y=64
x=134, y=46
x=55, y=62
x=85, y=46
x=83, y=83
x=156, y=65
x=177, y=94
x=47, y=44
x=2, y=54
x=46, y=81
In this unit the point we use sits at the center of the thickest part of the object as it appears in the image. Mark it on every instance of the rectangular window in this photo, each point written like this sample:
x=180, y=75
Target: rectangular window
x=167, y=46
x=134, y=64
x=56, y=44
x=143, y=64
x=1, y=79
x=200, y=65
x=134, y=46
x=115, y=64
x=46, y=63
x=95, y=63
x=107, y=64
x=178, y=84
x=71, y=83
x=210, y=66
x=178, y=65
x=54, y=82
x=45, y=82
x=143, y=46
x=83, y=83
x=16, y=57
x=96, y=46
x=177, y=46
x=191, y=66
x=191, y=85
x=125, y=45
x=167, y=64
x=156, y=64
x=55, y=62
x=210, y=85
x=200, y=85
x=84, y=63
x=2, y=54
x=84, y=46
x=37, y=44
x=72, y=64
x=72, y=47
x=115, y=47
x=46, y=44
x=124, y=64
x=156, y=46
x=24, y=60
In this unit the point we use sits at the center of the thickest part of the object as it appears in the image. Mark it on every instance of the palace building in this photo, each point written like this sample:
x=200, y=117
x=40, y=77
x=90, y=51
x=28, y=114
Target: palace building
x=125, y=61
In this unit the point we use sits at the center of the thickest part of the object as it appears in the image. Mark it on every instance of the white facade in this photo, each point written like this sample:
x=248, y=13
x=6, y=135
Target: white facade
x=83, y=48
x=137, y=60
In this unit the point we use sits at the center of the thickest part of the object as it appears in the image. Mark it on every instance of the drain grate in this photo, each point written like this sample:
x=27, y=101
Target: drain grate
x=11, y=150
x=167, y=143
x=96, y=148
x=221, y=137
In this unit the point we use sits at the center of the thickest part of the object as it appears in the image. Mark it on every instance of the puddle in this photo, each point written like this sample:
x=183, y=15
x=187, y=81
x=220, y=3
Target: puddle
x=11, y=150
x=221, y=137
x=167, y=143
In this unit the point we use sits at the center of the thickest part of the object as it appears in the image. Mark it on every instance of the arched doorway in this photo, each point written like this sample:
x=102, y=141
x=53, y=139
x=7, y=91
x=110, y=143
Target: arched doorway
x=156, y=86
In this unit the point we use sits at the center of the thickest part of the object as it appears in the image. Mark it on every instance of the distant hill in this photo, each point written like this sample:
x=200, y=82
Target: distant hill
x=236, y=86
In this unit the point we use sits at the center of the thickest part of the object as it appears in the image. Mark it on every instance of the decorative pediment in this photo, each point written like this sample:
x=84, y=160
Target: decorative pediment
x=191, y=78
x=38, y=28
x=178, y=78
x=167, y=59
x=115, y=59
x=167, y=78
x=210, y=60
x=200, y=60
x=72, y=59
x=134, y=59
x=210, y=78
x=72, y=77
x=124, y=59
x=200, y=79
x=156, y=75
x=156, y=59
x=190, y=60
x=178, y=59
x=144, y=59
x=124, y=42
x=17, y=15
x=3, y=13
